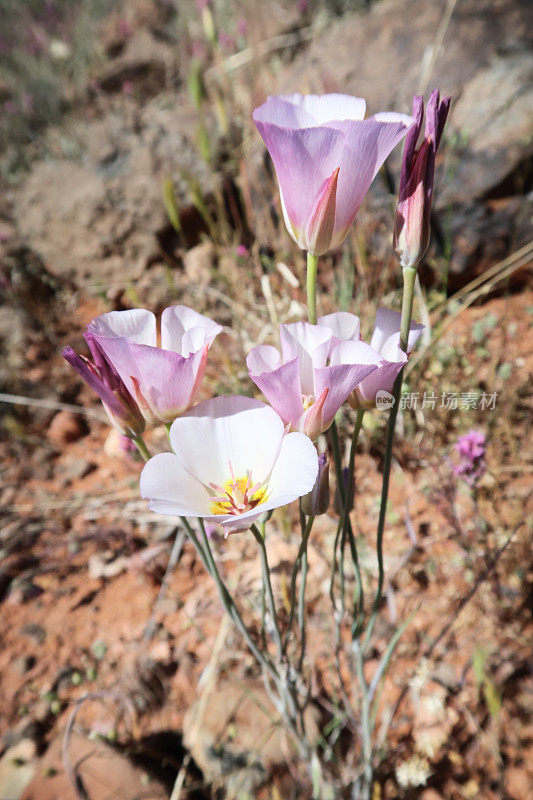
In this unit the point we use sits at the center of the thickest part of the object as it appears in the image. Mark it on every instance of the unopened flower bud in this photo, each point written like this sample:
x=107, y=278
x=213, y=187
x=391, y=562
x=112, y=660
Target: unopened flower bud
x=348, y=491
x=317, y=501
x=412, y=223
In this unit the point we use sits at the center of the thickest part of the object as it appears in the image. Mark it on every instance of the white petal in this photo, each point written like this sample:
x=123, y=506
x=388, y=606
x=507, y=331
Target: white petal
x=295, y=471
x=171, y=489
x=263, y=358
x=186, y=331
x=237, y=430
x=328, y=107
x=137, y=324
x=386, y=335
x=310, y=344
x=354, y=353
x=342, y=324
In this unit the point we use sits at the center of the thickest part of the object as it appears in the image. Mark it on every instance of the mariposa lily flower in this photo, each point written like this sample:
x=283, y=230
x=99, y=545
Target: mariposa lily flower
x=326, y=155
x=412, y=222
x=299, y=384
x=121, y=408
x=233, y=460
x=163, y=380
x=384, y=351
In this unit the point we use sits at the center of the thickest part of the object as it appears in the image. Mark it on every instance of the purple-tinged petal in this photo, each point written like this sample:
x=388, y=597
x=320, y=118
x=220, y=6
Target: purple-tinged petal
x=137, y=325
x=366, y=145
x=341, y=380
x=310, y=345
x=410, y=144
x=303, y=158
x=120, y=407
x=185, y=331
x=281, y=387
x=167, y=380
x=311, y=422
x=86, y=370
x=382, y=379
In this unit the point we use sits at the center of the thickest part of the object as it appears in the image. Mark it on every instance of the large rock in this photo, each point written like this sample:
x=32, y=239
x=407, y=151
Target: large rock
x=97, y=219
x=387, y=55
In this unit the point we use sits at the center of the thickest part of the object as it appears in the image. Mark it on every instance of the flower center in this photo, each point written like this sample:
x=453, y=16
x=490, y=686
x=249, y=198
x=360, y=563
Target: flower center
x=237, y=495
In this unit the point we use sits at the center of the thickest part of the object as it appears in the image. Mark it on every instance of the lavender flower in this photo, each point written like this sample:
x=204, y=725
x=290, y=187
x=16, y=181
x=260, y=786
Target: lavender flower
x=471, y=449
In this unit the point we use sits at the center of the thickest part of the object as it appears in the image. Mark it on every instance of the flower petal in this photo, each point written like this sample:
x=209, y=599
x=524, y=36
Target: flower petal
x=281, y=387
x=91, y=378
x=263, y=358
x=308, y=110
x=310, y=344
x=185, y=331
x=294, y=472
x=137, y=324
x=341, y=380
x=382, y=379
x=303, y=158
x=343, y=325
x=237, y=430
x=386, y=336
x=167, y=381
x=172, y=489
x=366, y=145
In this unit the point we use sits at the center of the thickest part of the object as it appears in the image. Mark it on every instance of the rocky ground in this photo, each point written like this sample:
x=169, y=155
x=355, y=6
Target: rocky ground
x=85, y=228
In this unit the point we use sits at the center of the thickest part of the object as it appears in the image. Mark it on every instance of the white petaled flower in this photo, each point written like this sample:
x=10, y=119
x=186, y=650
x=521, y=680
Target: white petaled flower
x=233, y=460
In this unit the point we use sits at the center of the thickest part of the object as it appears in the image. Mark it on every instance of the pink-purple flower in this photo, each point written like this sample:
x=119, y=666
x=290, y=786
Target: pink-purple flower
x=326, y=155
x=384, y=351
x=412, y=223
x=102, y=377
x=471, y=450
x=299, y=384
x=163, y=380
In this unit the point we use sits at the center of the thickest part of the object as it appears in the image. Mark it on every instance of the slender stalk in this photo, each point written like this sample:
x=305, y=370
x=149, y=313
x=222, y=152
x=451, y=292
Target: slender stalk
x=312, y=269
x=366, y=785
x=346, y=526
x=268, y=585
x=409, y=276
x=306, y=531
x=141, y=447
x=302, y=556
x=230, y=606
x=359, y=600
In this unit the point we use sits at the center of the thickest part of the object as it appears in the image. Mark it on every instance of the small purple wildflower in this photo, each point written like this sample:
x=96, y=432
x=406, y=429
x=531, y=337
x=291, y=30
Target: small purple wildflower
x=471, y=449
x=242, y=250
x=242, y=27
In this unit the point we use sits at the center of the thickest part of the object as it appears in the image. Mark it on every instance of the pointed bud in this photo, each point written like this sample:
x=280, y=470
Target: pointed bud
x=317, y=501
x=313, y=424
x=322, y=223
x=412, y=223
x=121, y=408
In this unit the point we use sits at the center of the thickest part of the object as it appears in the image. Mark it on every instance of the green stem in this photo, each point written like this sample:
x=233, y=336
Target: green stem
x=230, y=606
x=306, y=531
x=141, y=447
x=312, y=269
x=302, y=558
x=409, y=276
x=268, y=585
